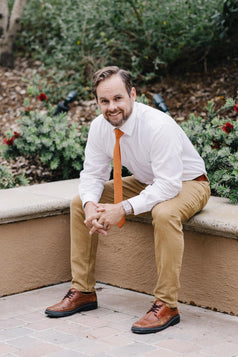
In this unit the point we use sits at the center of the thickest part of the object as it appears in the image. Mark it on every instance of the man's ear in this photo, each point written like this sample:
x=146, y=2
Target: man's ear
x=133, y=93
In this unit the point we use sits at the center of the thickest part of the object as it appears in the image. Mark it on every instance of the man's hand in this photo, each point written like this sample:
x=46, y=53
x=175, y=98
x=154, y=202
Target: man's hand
x=109, y=216
x=92, y=216
x=100, y=217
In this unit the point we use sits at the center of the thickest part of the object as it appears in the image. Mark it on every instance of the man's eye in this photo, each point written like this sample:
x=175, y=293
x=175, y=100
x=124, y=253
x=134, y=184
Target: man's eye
x=118, y=98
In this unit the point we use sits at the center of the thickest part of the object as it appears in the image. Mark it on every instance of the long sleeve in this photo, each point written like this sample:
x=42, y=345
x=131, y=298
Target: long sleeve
x=97, y=166
x=167, y=166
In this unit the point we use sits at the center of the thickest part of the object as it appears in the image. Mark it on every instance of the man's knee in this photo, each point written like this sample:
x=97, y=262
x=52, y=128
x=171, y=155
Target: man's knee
x=76, y=203
x=164, y=213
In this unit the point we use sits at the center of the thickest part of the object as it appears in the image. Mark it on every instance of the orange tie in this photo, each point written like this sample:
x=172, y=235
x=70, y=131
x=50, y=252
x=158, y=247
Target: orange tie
x=118, y=196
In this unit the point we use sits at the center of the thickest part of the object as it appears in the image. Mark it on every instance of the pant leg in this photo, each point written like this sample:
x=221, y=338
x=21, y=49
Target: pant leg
x=84, y=246
x=168, y=217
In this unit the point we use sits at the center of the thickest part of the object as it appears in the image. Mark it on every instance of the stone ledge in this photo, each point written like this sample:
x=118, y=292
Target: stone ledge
x=37, y=201
x=219, y=217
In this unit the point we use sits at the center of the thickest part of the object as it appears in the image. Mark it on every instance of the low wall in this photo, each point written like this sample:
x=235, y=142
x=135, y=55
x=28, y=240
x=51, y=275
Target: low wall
x=35, y=247
x=209, y=270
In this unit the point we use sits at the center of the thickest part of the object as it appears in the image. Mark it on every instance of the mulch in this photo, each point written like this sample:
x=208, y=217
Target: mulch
x=184, y=93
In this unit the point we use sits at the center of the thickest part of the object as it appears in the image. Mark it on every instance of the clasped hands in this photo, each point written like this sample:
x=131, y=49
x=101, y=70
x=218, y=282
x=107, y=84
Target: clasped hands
x=101, y=217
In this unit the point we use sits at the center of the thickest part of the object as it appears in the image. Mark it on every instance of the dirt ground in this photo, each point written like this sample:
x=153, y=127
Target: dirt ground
x=183, y=93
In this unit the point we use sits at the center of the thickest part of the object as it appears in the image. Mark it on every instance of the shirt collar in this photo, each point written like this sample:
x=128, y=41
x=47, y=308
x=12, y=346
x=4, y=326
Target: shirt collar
x=129, y=125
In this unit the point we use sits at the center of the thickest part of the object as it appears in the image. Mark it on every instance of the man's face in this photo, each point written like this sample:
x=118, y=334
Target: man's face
x=114, y=101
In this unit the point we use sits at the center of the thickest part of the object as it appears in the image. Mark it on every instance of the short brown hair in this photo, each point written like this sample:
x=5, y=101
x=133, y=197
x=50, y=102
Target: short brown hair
x=107, y=72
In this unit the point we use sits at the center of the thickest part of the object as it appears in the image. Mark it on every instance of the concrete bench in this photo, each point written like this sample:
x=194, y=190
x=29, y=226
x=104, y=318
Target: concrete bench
x=35, y=247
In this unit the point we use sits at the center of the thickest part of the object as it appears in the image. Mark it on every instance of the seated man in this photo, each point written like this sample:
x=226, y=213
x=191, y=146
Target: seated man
x=169, y=179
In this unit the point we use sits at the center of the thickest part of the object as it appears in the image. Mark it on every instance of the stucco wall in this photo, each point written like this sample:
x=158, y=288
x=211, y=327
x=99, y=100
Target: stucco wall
x=209, y=271
x=35, y=247
x=34, y=253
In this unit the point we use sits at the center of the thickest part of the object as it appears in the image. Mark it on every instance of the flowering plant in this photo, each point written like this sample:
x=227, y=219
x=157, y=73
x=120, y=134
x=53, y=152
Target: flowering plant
x=42, y=97
x=10, y=140
x=227, y=128
x=216, y=140
x=50, y=140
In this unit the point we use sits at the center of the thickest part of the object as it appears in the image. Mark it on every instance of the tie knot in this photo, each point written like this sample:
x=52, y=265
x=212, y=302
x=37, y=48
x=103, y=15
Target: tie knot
x=118, y=133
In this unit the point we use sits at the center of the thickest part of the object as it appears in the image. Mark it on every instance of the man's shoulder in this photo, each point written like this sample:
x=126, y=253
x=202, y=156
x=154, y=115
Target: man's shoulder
x=152, y=117
x=98, y=122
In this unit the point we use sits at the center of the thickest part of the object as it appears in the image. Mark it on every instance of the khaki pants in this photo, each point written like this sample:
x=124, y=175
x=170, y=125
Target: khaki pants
x=168, y=217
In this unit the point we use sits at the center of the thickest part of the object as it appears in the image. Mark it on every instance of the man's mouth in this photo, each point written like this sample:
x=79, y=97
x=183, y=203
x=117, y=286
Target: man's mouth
x=114, y=114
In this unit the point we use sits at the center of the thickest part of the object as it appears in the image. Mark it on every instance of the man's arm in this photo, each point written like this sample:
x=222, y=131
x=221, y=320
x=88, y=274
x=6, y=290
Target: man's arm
x=97, y=166
x=165, y=157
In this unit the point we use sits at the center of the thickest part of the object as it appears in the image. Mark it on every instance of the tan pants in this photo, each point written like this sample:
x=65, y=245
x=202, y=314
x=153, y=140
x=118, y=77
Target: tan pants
x=168, y=217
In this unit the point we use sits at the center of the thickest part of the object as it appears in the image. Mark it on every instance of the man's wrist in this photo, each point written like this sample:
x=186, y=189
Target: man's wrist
x=84, y=206
x=127, y=207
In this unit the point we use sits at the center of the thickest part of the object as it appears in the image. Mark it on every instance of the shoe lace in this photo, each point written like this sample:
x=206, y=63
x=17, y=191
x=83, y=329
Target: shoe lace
x=155, y=308
x=69, y=294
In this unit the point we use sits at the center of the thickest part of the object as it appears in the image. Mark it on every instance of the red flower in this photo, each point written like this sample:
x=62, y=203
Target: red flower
x=16, y=134
x=227, y=128
x=236, y=107
x=42, y=97
x=10, y=141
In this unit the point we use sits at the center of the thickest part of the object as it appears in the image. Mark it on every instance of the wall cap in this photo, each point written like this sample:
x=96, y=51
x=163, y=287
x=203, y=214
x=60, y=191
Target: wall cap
x=219, y=217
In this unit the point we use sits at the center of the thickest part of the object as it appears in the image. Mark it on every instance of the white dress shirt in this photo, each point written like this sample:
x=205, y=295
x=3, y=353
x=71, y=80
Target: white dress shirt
x=155, y=150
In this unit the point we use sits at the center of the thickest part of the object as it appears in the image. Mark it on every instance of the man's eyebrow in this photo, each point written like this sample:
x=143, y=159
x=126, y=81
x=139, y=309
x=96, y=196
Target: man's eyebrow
x=116, y=95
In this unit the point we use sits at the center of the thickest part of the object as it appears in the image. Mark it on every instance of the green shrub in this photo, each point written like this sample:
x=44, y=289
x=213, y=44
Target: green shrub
x=216, y=140
x=79, y=36
x=58, y=145
x=9, y=180
x=227, y=20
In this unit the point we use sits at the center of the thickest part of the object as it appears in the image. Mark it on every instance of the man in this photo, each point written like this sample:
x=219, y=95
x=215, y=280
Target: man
x=169, y=179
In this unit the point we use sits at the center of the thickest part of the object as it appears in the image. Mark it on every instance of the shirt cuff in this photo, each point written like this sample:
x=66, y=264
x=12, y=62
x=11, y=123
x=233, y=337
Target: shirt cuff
x=139, y=205
x=88, y=198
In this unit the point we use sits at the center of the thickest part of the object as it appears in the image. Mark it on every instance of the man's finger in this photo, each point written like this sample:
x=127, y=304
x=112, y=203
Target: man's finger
x=100, y=231
x=95, y=226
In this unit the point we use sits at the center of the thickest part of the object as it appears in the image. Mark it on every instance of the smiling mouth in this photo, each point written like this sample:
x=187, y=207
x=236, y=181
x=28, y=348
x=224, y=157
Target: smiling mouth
x=114, y=114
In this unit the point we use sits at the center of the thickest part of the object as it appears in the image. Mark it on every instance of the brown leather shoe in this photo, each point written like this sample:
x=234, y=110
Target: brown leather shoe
x=157, y=318
x=74, y=301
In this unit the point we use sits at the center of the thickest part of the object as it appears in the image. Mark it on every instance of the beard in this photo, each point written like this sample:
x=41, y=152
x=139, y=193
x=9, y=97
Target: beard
x=118, y=122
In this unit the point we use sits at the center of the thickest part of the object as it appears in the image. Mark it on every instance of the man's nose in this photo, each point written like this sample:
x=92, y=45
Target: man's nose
x=112, y=106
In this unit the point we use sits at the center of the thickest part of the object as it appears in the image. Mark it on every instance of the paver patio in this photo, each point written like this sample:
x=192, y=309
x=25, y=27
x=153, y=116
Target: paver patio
x=25, y=331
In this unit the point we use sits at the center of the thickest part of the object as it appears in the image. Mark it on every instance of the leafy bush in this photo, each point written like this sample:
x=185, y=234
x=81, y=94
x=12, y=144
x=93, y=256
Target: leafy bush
x=81, y=36
x=216, y=140
x=50, y=138
x=9, y=180
x=227, y=20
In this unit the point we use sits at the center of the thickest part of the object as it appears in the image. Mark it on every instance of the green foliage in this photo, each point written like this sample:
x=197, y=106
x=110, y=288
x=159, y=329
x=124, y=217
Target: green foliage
x=58, y=145
x=216, y=140
x=9, y=180
x=227, y=20
x=80, y=36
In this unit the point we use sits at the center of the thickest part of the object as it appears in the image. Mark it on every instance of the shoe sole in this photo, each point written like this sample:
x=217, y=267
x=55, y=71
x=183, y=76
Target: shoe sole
x=86, y=307
x=143, y=330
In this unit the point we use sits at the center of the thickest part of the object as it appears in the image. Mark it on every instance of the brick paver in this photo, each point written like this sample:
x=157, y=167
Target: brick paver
x=25, y=331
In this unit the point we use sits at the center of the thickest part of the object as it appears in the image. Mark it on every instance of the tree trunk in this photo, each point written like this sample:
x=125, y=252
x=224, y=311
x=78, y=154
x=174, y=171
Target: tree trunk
x=8, y=30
